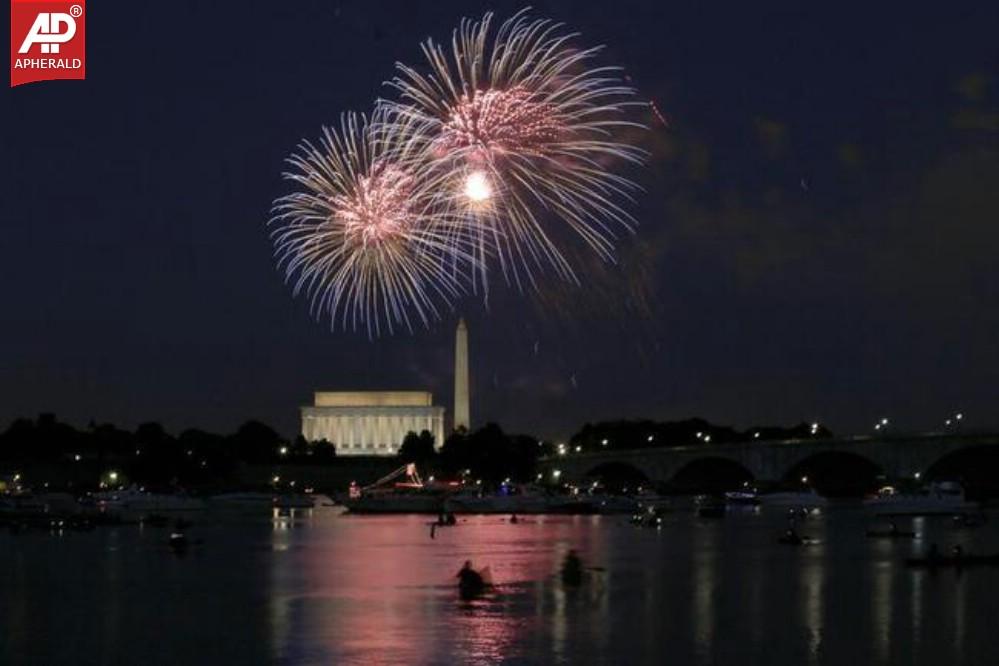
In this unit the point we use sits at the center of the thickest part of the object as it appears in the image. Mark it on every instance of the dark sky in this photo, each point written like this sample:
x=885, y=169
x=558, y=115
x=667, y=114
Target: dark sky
x=819, y=233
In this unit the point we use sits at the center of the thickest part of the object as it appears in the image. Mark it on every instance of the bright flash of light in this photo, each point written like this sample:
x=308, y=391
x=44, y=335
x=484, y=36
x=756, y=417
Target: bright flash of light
x=477, y=187
x=543, y=123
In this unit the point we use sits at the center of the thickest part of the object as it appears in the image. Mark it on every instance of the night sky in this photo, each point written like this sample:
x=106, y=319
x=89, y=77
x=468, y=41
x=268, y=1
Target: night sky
x=819, y=231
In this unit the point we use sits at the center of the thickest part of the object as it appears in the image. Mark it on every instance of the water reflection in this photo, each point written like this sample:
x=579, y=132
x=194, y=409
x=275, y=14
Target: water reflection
x=318, y=588
x=883, y=578
x=705, y=556
x=811, y=589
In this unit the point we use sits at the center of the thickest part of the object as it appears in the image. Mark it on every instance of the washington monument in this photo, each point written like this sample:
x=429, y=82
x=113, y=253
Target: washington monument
x=461, y=416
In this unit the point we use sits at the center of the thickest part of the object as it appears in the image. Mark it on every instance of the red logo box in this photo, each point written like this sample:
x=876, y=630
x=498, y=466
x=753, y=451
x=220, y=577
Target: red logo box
x=47, y=41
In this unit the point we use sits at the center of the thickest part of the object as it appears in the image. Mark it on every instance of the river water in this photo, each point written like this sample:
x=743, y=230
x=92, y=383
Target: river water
x=318, y=587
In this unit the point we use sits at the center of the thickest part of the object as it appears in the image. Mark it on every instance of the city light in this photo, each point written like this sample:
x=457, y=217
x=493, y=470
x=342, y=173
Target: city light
x=804, y=479
x=650, y=438
x=578, y=448
x=917, y=475
x=284, y=450
x=756, y=435
x=603, y=442
x=556, y=473
x=77, y=457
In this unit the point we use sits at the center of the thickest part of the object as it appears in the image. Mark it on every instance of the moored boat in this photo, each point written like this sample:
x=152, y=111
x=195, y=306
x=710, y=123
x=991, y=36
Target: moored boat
x=807, y=499
x=137, y=499
x=945, y=497
x=745, y=497
x=387, y=495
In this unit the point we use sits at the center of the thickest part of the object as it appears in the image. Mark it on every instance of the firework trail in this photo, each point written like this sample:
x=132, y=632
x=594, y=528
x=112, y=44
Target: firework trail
x=362, y=235
x=524, y=129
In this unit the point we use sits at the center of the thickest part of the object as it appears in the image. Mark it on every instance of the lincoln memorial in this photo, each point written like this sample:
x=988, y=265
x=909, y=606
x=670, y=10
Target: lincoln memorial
x=371, y=422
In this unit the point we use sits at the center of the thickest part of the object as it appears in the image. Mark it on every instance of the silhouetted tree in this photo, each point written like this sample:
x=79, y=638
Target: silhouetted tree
x=417, y=448
x=257, y=442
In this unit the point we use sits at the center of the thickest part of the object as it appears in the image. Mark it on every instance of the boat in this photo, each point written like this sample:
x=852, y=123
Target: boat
x=650, y=517
x=472, y=583
x=940, y=498
x=511, y=500
x=745, y=497
x=803, y=499
x=953, y=562
x=134, y=498
x=388, y=495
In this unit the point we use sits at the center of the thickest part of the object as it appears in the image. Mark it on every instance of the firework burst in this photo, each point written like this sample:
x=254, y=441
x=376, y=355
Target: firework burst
x=528, y=127
x=363, y=236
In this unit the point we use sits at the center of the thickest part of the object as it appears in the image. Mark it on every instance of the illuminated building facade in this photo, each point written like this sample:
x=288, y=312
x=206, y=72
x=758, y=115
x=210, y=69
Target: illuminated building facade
x=371, y=423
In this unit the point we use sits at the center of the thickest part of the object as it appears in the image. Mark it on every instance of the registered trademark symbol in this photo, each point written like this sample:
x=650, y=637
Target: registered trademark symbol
x=76, y=11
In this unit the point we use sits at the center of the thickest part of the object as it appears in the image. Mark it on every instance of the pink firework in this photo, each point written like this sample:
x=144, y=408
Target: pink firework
x=379, y=207
x=362, y=235
x=534, y=134
x=497, y=122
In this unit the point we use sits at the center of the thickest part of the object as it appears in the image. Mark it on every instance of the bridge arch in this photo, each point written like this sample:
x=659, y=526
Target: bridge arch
x=835, y=472
x=975, y=466
x=710, y=473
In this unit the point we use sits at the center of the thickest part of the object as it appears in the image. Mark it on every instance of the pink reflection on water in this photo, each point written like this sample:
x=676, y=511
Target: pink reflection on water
x=379, y=585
